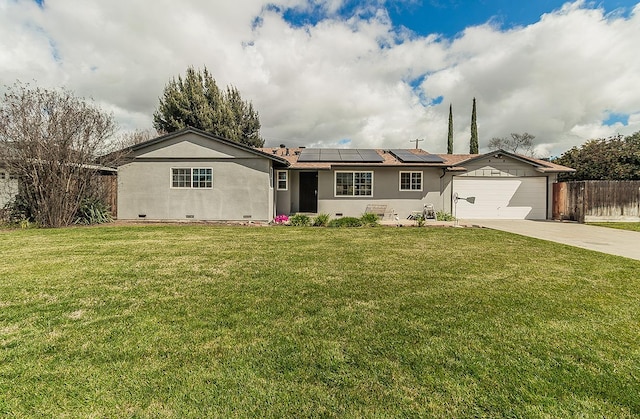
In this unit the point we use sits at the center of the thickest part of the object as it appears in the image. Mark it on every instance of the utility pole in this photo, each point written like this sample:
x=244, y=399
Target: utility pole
x=416, y=141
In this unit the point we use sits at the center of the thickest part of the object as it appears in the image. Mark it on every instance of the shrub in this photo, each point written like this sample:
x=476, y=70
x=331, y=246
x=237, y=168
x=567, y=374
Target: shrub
x=93, y=211
x=17, y=213
x=345, y=222
x=17, y=210
x=321, y=220
x=300, y=220
x=369, y=219
x=444, y=216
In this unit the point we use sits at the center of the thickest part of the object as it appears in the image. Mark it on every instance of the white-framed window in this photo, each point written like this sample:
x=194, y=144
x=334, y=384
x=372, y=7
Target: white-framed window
x=410, y=181
x=283, y=180
x=192, y=177
x=353, y=183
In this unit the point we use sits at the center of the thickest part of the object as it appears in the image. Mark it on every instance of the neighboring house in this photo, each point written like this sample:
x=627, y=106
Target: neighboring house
x=8, y=187
x=190, y=174
x=9, y=184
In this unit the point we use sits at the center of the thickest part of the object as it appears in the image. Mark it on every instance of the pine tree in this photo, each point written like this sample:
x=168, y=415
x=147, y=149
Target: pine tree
x=244, y=121
x=197, y=101
x=473, y=143
x=450, y=136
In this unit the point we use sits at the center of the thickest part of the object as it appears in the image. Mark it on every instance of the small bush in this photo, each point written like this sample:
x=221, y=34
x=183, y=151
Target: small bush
x=17, y=211
x=321, y=220
x=345, y=222
x=444, y=216
x=93, y=211
x=300, y=220
x=369, y=219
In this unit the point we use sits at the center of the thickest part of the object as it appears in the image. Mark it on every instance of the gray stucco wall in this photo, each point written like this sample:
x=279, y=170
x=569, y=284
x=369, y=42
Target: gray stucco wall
x=242, y=183
x=284, y=198
x=241, y=191
x=386, y=191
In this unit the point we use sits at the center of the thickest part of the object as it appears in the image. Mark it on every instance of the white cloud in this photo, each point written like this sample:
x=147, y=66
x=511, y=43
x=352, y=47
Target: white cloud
x=341, y=78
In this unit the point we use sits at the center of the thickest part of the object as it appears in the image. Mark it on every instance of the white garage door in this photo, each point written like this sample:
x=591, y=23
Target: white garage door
x=506, y=198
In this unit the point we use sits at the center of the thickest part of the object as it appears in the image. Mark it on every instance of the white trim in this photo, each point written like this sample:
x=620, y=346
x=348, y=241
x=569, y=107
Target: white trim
x=286, y=180
x=271, y=185
x=190, y=178
x=410, y=181
x=353, y=172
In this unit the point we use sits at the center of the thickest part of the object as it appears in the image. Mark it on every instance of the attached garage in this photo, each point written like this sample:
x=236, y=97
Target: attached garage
x=502, y=197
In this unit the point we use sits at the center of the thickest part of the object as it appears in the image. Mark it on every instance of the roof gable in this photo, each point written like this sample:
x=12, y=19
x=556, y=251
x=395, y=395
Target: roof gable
x=537, y=164
x=194, y=143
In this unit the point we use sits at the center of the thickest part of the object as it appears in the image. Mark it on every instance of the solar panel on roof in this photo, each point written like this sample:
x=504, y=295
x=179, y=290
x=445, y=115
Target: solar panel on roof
x=309, y=155
x=431, y=158
x=340, y=155
x=370, y=155
x=407, y=156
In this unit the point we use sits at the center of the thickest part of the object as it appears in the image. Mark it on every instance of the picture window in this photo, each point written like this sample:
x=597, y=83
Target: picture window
x=354, y=184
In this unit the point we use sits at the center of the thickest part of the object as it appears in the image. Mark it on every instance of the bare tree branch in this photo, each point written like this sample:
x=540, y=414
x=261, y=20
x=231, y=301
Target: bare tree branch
x=49, y=140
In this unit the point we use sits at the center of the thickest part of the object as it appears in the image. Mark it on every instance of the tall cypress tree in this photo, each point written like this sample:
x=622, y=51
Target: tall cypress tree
x=450, y=136
x=473, y=144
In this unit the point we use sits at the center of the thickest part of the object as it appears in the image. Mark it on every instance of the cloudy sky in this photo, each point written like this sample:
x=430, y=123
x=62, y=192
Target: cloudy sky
x=372, y=73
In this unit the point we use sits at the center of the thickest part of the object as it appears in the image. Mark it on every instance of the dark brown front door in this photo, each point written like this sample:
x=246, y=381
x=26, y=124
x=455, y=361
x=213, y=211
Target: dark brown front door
x=309, y=192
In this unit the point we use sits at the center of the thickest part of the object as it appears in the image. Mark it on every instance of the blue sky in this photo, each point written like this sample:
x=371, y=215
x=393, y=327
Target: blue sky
x=450, y=17
x=338, y=73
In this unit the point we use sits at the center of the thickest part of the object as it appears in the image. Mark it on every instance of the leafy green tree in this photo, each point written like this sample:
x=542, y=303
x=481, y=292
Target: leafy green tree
x=473, y=143
x=244, y=125
x=518, y=143
x=197, y=101
x=450, y=135
x=613, y=158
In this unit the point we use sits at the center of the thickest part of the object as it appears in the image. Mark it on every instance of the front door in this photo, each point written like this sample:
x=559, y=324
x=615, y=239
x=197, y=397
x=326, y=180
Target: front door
x=309, y=192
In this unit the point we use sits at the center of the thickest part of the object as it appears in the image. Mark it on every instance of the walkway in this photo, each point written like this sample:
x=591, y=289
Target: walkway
x=601, y=239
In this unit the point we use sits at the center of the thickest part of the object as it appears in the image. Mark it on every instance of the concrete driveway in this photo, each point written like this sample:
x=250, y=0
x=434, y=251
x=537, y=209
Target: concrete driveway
x=601, y=239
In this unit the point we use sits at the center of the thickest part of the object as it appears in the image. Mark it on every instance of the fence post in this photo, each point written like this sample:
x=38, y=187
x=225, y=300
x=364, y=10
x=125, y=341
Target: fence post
x=581, y=203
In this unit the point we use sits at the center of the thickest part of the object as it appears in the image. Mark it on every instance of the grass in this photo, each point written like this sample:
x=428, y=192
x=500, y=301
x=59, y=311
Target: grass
x=620, y=226
x=193, y=321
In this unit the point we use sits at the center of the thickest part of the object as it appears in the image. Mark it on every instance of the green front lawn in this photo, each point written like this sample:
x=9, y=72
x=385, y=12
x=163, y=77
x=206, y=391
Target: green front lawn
x=193, y=321
x=621, y=226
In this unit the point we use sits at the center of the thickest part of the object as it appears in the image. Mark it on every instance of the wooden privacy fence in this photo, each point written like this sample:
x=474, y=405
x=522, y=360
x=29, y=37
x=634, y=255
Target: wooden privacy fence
x=108, y=192
x=597, y=200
